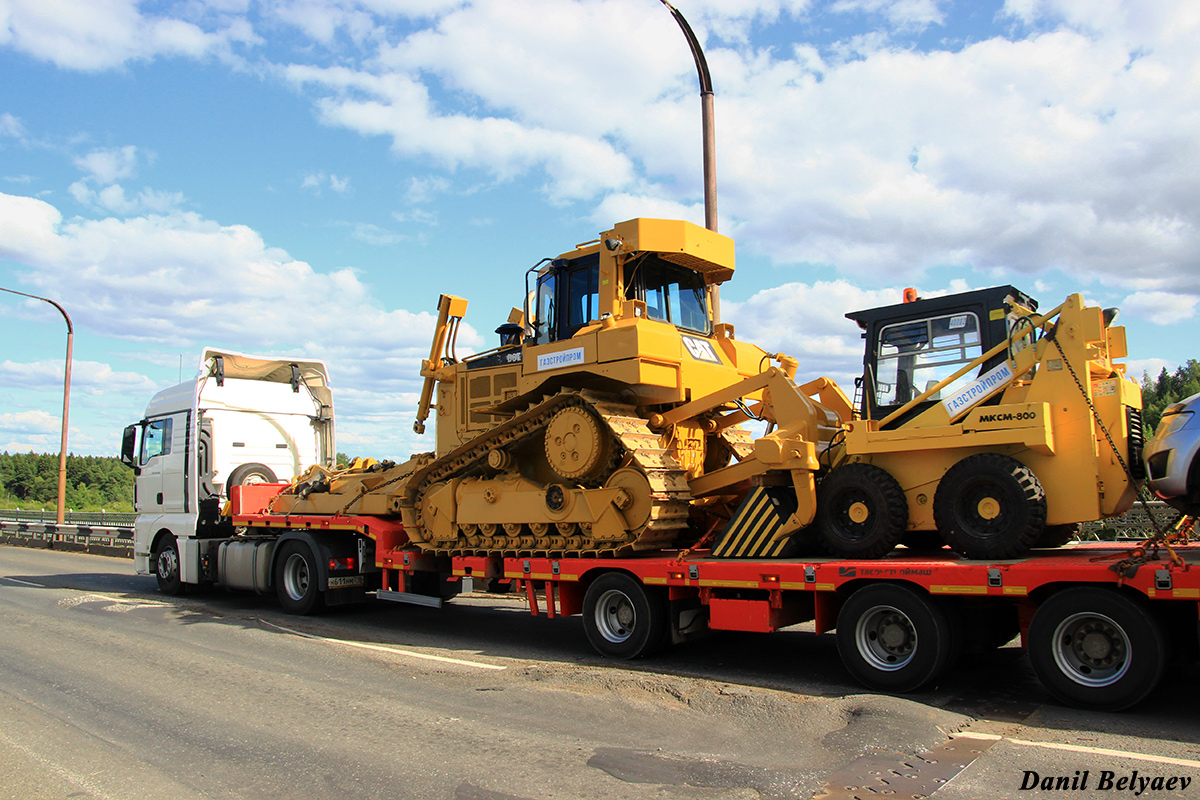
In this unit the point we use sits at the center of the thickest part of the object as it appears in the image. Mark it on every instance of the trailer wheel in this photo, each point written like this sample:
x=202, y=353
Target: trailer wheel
x=894, y=637
x=861, y=511
x=622, y=618
x=250, y=473
x=296, y=579
x=166, y=565
x=990, y=506
x=1096, y=648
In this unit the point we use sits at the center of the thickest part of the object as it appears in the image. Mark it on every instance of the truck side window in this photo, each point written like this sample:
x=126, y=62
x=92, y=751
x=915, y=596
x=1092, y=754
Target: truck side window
x=913, y=356
x=156, y=439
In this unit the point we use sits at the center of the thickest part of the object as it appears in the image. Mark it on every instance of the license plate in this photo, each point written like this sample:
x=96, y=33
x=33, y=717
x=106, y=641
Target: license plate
x=349, y=580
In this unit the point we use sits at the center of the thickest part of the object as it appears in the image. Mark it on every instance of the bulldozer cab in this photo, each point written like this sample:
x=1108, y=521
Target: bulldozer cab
x=912, y=346
x=567, y=297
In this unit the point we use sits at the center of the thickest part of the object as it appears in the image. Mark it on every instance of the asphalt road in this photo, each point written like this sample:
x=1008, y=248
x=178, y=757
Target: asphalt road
x=110, y=690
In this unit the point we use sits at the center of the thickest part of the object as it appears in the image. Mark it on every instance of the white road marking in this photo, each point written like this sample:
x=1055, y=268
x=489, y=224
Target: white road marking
x=1080, y=748
x=23, y=583
x=385, y=649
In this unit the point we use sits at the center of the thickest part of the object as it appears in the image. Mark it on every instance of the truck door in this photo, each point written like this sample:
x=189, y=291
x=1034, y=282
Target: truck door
x=160, y=481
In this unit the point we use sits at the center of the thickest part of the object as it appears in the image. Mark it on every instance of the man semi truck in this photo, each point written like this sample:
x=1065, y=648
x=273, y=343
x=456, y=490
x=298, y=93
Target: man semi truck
x=242, y=420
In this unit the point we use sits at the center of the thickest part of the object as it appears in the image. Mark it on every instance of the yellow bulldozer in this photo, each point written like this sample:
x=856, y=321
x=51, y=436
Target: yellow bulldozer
x=619, y=414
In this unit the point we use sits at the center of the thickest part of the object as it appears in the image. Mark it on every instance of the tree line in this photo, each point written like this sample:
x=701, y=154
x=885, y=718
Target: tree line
x=29, y=481
x=1167, y=388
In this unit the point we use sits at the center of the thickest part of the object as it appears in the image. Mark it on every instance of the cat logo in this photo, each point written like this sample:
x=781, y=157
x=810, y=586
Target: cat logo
x=701, y=349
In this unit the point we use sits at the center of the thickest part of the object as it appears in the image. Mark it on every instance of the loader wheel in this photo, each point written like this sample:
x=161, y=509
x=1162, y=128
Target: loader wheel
x=990, y=506
x=861, y=511
x=623, y=618
x=895, y=638
x=1096, y=648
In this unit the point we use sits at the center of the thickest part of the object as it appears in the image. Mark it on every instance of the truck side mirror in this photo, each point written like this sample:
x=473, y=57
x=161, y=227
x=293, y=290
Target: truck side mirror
x=128, y=443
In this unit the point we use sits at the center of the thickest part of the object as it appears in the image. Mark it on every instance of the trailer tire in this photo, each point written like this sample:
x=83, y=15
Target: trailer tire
x=861, y=511
x=250, y=473
x=895, y=638
x=623, y=618
x=297, y=579
x=1096, y=648
x=990, y=506
x=167, y=565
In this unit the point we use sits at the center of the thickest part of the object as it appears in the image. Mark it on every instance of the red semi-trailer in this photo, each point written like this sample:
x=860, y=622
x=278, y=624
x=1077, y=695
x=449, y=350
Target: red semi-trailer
x=1099, y=620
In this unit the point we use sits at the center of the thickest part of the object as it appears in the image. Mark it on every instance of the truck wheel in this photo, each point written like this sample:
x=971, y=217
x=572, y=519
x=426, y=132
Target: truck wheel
x=861, y=511
x=990, y=506
x=250, y=473
x=1095, y=648
x=296, y=579
x=166, y=565
x=622, y=618
x=894, y=637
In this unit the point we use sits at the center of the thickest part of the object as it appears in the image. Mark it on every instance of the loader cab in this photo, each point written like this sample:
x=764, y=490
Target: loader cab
x=912, y=346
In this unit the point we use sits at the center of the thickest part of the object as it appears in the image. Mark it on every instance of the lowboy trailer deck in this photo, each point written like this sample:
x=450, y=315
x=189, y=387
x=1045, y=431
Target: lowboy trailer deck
x=1099, y=620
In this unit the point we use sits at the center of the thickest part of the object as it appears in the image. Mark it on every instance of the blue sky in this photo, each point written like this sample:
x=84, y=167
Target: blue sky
x=306, y=176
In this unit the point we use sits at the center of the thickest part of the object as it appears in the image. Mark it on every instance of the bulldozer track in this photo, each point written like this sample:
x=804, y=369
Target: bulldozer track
x=639, y=447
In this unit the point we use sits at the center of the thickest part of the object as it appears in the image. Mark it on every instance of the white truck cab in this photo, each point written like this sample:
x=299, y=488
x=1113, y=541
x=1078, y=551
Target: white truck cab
x=242, y=419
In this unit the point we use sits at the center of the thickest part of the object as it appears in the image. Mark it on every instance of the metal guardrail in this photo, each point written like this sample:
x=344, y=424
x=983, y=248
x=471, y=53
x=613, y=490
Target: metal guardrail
x=102, y=540
x=116, y=519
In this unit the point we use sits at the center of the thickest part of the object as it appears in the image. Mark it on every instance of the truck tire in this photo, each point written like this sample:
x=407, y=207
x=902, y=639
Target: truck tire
x=1096, y=648
x=166, y=565
x=990, y=506
x=623, y=618
x=895, y=637
x=297, y=579
x=861, y=511
x=250, y=473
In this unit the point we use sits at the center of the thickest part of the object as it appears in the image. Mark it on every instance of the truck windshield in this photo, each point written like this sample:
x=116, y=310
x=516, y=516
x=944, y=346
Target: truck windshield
x=672, y=293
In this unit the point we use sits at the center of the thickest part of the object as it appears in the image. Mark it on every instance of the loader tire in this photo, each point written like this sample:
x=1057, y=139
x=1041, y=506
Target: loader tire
x=861, y=511
x=990, y=506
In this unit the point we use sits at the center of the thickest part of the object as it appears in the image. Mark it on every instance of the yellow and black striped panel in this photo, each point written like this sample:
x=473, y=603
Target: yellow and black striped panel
x=758, y=518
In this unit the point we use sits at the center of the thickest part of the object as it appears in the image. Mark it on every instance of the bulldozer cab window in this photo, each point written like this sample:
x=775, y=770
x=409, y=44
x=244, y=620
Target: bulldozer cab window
x=568, y=298
x=546, y=316
x=914, y=356
x=583, y=296
x=672, y=293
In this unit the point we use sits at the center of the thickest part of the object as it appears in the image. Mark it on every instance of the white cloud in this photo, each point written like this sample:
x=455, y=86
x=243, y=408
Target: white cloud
x=87, y=377
x=29, y=422
x=166, y=266
x=102, y=34
x=1161, y=308
x=904, y=14
x=109, y=165
x=11, y=126
x=318, y=180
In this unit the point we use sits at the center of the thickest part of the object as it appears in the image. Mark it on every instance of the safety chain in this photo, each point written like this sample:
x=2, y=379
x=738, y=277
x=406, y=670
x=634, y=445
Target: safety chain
x=1148, y=550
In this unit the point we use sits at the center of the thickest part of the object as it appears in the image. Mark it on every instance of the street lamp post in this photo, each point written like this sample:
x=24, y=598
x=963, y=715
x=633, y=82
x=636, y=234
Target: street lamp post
x=62, y=449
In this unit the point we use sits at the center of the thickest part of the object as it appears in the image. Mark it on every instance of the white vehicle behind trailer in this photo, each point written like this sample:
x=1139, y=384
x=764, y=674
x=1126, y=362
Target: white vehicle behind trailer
x=243, y=419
